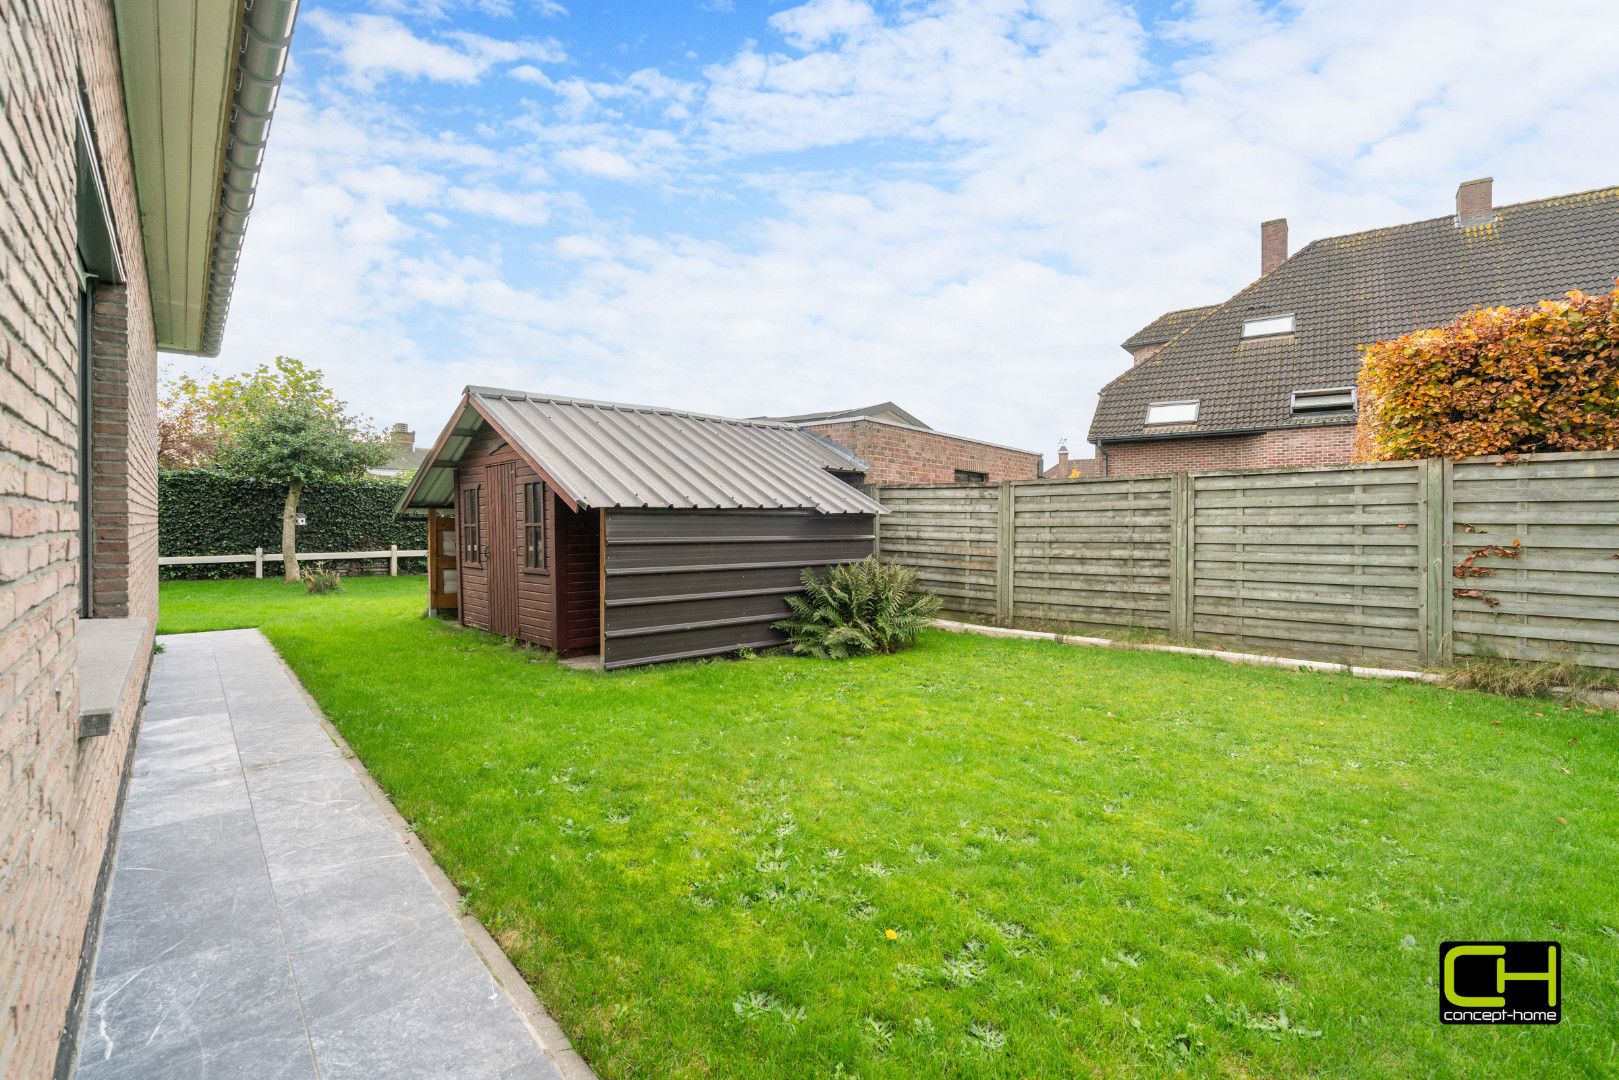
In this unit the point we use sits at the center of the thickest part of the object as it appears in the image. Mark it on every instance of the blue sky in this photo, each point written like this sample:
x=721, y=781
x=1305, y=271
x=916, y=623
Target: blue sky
x=780, y=207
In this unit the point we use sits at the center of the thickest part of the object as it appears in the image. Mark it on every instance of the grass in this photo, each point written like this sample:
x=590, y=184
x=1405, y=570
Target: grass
x=980, y=857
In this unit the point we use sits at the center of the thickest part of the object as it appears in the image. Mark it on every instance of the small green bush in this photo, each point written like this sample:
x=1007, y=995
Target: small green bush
x=318, y=579
x=857, y=608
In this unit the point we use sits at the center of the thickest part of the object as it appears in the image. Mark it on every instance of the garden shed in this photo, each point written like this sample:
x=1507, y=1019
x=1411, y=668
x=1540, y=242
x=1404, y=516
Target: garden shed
x=641, y=534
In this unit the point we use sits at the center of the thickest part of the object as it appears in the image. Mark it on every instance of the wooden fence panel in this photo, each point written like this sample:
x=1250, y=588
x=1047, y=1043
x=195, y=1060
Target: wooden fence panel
x=1356, y=563
x=1092, y=552
x=1320, y=563
x=1557, y=598
x=949, y=534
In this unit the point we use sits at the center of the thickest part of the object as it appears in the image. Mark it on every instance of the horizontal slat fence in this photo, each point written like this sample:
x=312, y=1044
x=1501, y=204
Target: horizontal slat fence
x=1096, y=553
x=1324, y=561
x=1558, y=598
x=949, y=533
x=1406, y=563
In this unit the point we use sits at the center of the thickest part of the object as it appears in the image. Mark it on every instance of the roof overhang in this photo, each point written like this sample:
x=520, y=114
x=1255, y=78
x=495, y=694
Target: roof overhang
x=433, y=486
x=200, y=84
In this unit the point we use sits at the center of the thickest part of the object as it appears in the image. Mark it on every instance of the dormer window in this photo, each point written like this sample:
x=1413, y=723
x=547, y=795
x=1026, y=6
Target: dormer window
x=1172, y=412
x=1270, y=326
x=1326, y=399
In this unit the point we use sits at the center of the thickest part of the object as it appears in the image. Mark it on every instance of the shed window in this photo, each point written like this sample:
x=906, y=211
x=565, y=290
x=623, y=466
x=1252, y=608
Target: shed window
x=1268, y=327
x=1172, y=412
x=470, y=540
x=534, y=526
x=967, y=476
x=1325, y=399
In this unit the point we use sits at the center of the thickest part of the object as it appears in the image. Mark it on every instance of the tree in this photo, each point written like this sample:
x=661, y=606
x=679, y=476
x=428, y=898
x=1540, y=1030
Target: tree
x=295, y=442
x=1496, y=381
x=197, y=417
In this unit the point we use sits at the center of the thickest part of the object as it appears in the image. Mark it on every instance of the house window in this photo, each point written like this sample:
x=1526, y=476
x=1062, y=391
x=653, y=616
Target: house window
x=1172, y=412
x=534, y=526
x=99, y=262
x=470, y=539
x=967, y=476
x=1325, y=399
x=1268, y=327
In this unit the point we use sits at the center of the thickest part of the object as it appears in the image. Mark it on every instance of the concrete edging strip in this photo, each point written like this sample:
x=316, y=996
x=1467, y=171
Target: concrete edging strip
x=1187, y=650
x=547, y=1032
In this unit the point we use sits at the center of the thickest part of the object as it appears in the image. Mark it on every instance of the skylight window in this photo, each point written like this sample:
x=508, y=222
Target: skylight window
x=1326, y=399
x=1172, y=412
x=1267, y=327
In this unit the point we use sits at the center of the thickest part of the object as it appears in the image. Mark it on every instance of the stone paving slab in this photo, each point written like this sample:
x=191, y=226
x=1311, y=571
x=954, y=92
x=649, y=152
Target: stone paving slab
x=265, y=918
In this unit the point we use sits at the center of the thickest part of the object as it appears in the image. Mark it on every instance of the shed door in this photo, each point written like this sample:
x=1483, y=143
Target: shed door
x=504, y=548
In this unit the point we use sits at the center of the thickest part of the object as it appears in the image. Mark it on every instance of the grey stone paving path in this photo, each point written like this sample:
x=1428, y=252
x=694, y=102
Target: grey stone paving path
x=264, y=918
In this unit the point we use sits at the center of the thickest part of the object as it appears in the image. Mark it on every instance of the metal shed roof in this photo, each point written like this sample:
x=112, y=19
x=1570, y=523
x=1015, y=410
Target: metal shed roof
x=604, y=454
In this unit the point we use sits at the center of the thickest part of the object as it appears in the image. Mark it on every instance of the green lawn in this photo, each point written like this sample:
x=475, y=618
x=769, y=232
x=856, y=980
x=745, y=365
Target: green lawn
x=981, y=857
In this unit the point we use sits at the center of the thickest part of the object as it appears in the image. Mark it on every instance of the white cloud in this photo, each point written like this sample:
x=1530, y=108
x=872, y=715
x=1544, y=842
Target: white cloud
x=966, y=207
x=598, y=162
x=375, y=47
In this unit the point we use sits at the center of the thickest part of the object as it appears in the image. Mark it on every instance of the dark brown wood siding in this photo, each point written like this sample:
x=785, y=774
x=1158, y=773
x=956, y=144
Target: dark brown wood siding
x=579, y=584
x=535, y=591
x=684, y=583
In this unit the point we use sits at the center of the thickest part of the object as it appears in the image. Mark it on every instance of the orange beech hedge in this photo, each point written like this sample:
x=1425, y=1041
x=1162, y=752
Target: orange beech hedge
x=1496, y=381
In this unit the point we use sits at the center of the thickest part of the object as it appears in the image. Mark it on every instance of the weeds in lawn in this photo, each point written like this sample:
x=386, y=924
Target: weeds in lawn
x=1498, y=674
x=319, y=580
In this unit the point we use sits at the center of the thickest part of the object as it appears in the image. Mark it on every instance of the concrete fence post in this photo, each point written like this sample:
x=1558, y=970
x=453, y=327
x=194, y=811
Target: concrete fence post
x=1180, y=556
x=258, y=562
x=393, y=560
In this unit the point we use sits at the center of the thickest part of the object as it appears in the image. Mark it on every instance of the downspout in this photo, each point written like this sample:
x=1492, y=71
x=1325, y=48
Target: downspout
x=266, y=40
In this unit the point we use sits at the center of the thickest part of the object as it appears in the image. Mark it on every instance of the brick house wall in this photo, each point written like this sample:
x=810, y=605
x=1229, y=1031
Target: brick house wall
x=1327, y=445
x=900, y=454
x=58, y=793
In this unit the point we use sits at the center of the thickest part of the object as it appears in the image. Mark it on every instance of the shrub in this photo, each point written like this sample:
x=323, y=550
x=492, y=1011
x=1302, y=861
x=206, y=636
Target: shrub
x=318, y=579
x=857, y=608
x=1496, y=381
x=205, y=512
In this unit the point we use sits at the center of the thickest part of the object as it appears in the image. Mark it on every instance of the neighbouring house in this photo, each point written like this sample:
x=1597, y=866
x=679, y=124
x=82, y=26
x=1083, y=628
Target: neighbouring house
x=1268, y=377
x=900, y=449
x=406, y=457
x=130, y=141
x=1070, y=468
x=634, y=533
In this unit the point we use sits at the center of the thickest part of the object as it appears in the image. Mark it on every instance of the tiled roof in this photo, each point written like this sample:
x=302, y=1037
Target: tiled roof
x=603, y=454
x=1353, y=290
x=1166, y=326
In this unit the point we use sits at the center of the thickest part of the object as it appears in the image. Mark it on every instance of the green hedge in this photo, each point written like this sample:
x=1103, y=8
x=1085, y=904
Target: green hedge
x=204, y=512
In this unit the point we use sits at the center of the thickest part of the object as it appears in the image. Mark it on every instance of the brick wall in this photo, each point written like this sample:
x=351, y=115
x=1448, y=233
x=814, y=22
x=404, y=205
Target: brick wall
x=58, y=794
x=1331, y=445
x=899, y=454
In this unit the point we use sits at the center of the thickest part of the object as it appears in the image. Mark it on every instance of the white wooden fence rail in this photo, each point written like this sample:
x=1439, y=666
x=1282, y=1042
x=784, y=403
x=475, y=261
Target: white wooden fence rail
x=392, y=554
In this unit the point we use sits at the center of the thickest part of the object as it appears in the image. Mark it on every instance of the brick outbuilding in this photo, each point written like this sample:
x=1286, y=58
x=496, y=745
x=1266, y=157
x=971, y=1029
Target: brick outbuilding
x=900, y=449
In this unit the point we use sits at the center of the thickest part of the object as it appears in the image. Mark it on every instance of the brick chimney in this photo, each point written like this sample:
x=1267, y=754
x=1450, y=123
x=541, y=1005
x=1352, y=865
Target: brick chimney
x=402, y=437
x=1272, y=245
x=1062, y=459
x=1475, y=202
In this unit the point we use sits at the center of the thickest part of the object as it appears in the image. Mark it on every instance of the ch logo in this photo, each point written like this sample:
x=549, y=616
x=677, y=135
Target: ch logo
x=1500, y=982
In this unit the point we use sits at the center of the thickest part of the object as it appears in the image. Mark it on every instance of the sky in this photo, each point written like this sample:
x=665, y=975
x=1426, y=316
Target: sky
x=767, y=208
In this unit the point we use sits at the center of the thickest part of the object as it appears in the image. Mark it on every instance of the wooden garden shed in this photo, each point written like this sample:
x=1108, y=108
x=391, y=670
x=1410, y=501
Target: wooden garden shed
x=638, y=533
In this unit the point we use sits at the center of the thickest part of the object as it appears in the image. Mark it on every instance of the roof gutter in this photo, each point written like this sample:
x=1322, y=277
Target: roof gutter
x=266, y=41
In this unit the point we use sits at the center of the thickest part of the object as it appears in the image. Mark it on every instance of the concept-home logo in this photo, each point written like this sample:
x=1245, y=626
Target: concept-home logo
x=1500, y=982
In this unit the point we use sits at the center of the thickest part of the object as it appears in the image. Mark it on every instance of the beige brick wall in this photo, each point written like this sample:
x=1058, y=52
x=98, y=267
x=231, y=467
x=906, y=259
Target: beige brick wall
x=1285, y=447
x=57, y=793
x=905, y=455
